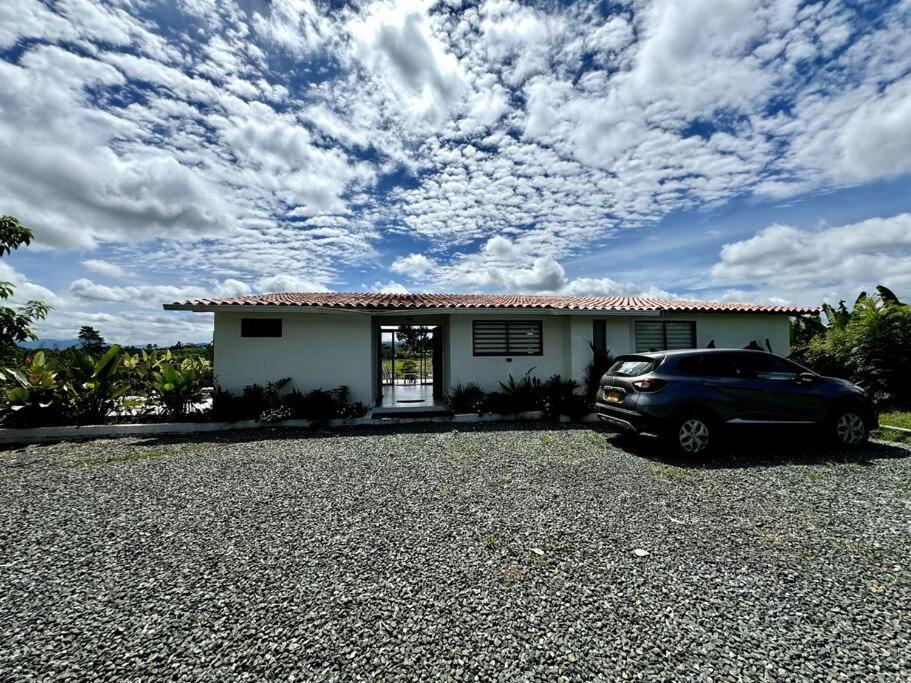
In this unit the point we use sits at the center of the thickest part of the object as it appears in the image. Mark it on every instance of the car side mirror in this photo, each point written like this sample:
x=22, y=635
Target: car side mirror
x=806, y=378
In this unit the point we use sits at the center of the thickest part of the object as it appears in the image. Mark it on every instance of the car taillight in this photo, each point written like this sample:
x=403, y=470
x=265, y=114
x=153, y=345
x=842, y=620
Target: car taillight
x=649, y=384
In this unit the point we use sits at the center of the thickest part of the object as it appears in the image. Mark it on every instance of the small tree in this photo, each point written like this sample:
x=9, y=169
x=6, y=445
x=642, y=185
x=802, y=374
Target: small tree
x=91, y=340
x=16, y=323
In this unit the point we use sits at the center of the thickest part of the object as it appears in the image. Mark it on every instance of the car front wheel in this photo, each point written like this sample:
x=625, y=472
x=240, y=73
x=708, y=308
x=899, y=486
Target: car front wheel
x=694, y=435
x=849, y=429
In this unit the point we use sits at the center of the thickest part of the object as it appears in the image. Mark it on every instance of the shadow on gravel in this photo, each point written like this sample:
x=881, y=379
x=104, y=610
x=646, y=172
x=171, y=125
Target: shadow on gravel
x=761, y=449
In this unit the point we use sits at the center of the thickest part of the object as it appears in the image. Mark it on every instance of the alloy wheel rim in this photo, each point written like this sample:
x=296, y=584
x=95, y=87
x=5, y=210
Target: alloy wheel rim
x=851, y=429
x=694, y=436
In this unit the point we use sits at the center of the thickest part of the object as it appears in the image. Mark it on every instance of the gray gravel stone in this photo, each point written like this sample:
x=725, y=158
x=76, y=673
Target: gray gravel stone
x=490, y=553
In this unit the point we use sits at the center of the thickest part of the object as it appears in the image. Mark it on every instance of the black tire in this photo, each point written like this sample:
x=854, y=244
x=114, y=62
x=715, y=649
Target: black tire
x=695, y=435
x=847, y=428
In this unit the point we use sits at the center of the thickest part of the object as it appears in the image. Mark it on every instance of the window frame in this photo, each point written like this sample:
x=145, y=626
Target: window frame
x=246, y=322
x=509, y=352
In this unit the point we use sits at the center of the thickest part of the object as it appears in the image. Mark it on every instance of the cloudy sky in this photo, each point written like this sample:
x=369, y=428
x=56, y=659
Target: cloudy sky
x=755, y=150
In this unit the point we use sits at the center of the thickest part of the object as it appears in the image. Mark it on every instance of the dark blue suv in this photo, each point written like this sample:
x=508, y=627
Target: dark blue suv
x=691, y=396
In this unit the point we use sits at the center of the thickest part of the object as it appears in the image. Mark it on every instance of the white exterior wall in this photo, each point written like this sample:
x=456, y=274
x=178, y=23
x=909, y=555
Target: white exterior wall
x=487, y=371
x=326, y=350
x=736, y=330
x=315, y=350
x=728, y=330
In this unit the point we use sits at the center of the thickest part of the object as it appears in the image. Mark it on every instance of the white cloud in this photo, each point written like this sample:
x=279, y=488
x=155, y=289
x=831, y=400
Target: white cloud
x=142, y=296
x=390, y=287
x=876, y=139
x=503, y=265
x=104, y=267
x=413, y=265
x=398, y=42
x=786, y=261
x=24, y=289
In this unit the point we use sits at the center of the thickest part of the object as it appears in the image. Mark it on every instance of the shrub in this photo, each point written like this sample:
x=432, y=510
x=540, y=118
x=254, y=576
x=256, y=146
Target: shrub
x=519, y=396
x=595, y=369
x=561, y=398
x=176, y=387
x=96, y=387
x=267, y=403
x=319, y=404
x=32, y=394
x=466, y=398
x=870, y=345
x=228, y=407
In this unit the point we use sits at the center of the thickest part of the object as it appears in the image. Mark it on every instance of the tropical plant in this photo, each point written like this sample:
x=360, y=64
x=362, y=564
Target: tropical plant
x=177, y=387
x=562, y=398
x=96, y=386
x=16, y=323
x=600, y=363
x=869, y=344
x=466, y=398
x=320, y=404
x=32, y=395
x=521, y=395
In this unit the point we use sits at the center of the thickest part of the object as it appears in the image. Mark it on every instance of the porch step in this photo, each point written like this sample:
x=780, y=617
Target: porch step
x=414, y=411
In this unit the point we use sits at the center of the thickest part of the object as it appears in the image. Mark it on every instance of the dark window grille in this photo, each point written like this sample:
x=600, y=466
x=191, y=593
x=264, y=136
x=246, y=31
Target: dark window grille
x=260, y=327
x=665, y=335
x=507, y=338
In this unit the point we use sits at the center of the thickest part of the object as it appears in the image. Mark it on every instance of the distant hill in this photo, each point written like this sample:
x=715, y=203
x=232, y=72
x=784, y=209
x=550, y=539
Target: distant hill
x=49, y=344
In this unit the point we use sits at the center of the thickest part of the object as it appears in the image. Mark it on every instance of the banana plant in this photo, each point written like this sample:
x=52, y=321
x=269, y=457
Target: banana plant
x=97, y=386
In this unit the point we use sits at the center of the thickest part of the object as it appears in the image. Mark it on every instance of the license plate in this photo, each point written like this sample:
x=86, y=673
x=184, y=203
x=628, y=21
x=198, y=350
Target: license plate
x=613, y=396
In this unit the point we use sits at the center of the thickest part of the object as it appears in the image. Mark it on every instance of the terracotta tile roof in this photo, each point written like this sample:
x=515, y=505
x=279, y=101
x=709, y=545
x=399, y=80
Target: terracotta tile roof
x=392, y=302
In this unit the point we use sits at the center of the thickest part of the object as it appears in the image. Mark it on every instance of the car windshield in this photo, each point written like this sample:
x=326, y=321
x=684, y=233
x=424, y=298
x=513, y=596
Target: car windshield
x=631, y=367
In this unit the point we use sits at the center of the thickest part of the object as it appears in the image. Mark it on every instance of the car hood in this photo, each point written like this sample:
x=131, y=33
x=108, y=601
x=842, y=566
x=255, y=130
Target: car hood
x=844, y=384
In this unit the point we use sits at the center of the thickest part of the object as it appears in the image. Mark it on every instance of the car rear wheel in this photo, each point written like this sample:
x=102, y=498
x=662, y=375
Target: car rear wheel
x=694, y=435
x=849, y=428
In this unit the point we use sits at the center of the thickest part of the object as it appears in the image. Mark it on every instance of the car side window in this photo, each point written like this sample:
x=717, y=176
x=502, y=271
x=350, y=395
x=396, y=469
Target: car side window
x=721, y=365
x=767, y=366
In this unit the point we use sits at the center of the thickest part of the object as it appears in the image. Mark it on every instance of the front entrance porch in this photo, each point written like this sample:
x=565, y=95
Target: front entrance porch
x=406, y=395
x=409, y=364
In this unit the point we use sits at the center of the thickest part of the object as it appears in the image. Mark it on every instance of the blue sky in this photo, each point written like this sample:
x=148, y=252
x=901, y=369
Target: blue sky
x=749, y=150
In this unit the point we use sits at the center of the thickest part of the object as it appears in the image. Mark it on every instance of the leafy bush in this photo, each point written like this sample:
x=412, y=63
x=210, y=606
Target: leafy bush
x=595, y=369
x=518, y=396
x=176, y=387
x=229, y=407
x=32, y=394
x=95, y=386
x=466, y=398
x=264, y=398
x=319, y=404
x=561, y=398
x=870, y=345
x=267, y=403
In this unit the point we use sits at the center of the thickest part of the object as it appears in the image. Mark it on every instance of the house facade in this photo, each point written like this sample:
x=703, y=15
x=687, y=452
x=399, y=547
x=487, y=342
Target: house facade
x=331, y=339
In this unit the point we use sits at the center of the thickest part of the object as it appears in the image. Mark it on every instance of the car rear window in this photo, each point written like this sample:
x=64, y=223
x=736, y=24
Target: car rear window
x=632, y=366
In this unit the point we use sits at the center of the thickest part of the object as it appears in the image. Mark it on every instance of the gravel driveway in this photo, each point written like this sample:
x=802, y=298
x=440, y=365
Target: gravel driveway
x=495, y=553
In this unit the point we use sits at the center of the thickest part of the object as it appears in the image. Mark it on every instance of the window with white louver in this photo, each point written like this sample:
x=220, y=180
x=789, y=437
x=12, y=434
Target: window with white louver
x=507, y=338
x=665, y=335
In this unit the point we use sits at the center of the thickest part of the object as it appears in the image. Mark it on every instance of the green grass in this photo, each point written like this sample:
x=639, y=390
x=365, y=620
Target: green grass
x=669, y=473
x=895, y=418
x=400, y=362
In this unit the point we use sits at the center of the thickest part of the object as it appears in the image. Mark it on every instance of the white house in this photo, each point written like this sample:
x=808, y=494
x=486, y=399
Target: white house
x=330, y=339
